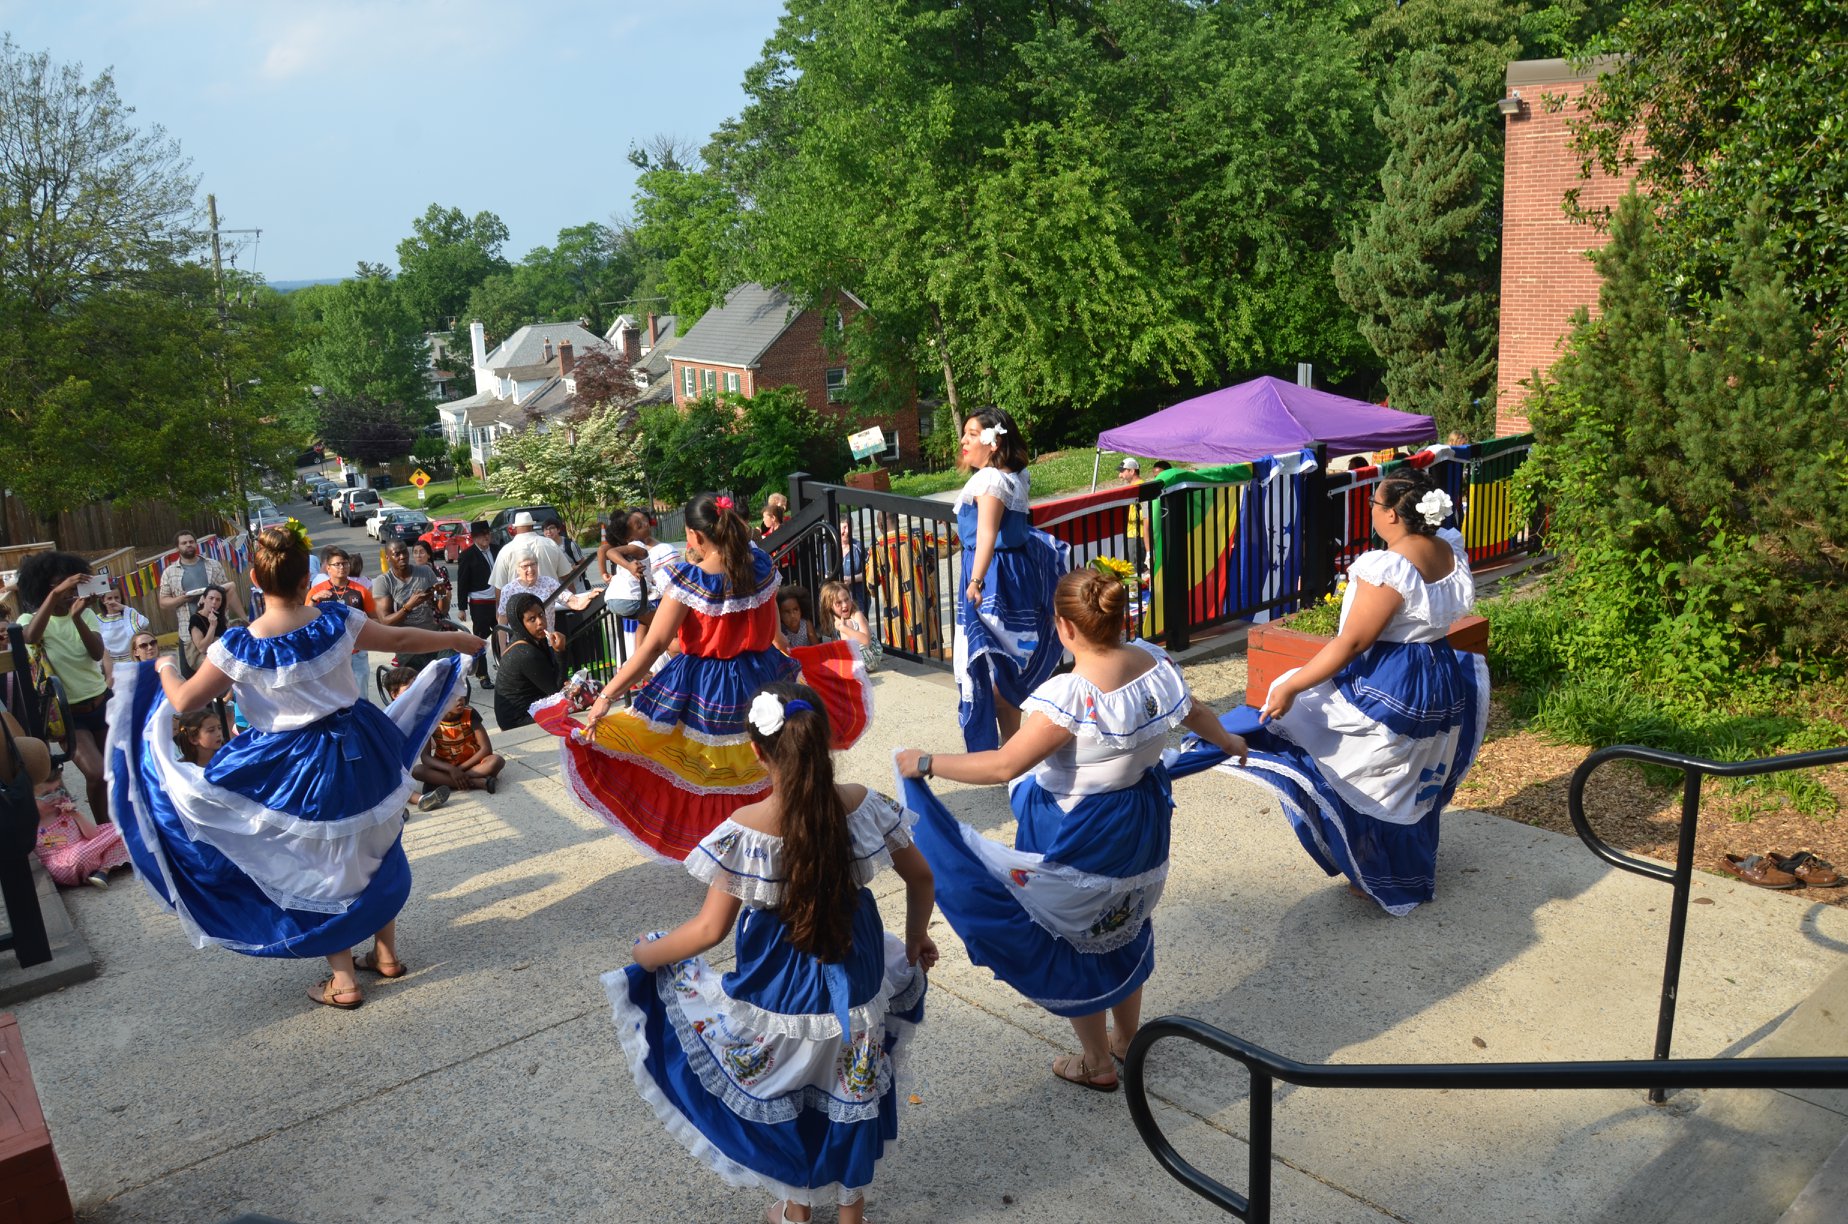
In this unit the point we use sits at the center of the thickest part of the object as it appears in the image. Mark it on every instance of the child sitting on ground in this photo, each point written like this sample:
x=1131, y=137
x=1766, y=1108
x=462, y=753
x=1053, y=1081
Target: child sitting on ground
x=841, y=618
x=396, y=680
x=459, y=755
x=798, y=613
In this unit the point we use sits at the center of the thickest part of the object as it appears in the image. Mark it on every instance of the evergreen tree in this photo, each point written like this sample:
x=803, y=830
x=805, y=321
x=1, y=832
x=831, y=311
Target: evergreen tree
x=1422, y=272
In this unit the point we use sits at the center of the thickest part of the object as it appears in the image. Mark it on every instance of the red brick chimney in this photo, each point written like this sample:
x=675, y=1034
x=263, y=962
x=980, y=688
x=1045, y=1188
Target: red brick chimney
x=651, y=329
x=630, y=339
x=566, y=358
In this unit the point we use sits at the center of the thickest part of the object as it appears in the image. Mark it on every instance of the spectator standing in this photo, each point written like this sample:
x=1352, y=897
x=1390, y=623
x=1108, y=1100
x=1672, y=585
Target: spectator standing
x=407, y=596
x=853, y=564
x=475, y=590
x=525, y=541
x=421, y=554
x=70, y=640
x=206, y=625
x=339, y=586
x=182, y=582
x=554, y=530
x=1136, y=531
x=527, y=580
x=119, y=624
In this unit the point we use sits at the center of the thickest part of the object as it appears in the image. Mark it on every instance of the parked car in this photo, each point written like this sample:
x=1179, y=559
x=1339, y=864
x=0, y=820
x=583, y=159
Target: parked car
x=358, y=505
x=444, y=530
x=404, y=525
x=259, y=519
x=330, y=501
x=499, y=526
x=379, y=514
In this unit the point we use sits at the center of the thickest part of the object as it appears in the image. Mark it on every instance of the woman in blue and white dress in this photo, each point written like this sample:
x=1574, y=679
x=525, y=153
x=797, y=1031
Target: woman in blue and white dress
x=287, y=843
x=1004, y=645
x=1365, y=743
x=1063, y=917
x=780, y=1074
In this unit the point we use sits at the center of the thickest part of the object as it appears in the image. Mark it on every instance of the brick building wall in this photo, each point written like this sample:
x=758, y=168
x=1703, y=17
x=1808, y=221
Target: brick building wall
x=799, y=359
x=1545, y=272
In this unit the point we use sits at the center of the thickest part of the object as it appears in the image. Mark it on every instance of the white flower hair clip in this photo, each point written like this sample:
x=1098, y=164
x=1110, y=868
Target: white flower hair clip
x=1435, y=506
x=766, y=714
x=987, y=436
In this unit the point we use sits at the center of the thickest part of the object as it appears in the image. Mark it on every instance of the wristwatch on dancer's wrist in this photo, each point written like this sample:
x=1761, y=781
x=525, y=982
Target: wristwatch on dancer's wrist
x=924, y=765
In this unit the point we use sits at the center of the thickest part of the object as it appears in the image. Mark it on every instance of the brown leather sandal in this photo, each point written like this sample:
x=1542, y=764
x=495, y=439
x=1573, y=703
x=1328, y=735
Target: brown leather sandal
x=1758, y=871
x=1083, y=1075
x=327, y=996
x=370, y=963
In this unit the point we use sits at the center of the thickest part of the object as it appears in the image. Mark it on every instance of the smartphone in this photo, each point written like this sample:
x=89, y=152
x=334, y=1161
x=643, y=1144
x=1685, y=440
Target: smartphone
x=93, y=588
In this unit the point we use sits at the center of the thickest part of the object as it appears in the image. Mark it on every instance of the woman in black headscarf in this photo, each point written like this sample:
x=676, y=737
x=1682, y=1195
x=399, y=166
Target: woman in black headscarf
x=530, y=670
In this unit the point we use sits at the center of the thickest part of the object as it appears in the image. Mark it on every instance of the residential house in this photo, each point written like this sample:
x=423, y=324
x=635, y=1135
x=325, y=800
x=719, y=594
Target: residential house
x=1546, y=272
x=527, y=375
x=647, y=346
x=439, y=368
x=758, y=338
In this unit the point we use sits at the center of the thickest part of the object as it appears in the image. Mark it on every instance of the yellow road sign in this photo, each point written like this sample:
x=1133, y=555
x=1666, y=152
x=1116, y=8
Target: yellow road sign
x=420, y=478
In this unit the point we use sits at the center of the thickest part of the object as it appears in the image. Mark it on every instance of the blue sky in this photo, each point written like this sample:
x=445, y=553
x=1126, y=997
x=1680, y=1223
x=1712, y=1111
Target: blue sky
x=330, y=125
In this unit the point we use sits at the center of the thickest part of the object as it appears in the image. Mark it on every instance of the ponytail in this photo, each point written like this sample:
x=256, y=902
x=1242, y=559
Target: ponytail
x=818, y=889
x=714, y=516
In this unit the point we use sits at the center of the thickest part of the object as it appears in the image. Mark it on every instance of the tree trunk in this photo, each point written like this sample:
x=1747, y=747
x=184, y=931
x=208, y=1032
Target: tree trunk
x=949, y=375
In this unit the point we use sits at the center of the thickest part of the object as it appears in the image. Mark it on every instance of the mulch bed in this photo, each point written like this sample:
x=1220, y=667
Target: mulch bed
x=1521, y=775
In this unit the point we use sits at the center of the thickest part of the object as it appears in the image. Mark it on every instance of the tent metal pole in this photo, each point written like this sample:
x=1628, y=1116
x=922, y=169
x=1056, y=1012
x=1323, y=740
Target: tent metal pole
x=1097, y=462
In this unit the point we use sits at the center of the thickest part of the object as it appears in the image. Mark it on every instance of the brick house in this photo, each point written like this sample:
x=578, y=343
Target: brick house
x=757, y=338
x=1545, y=274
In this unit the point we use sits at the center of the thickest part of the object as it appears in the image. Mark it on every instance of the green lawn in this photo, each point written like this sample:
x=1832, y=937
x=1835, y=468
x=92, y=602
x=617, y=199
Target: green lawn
x=1067, y=471
x=471, y=503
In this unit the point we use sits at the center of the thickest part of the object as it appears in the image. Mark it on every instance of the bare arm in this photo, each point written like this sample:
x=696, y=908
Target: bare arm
x=698, y=934
x=206, y=686
x=171, y=600
x=661, y=632
x=35, y=628
x=1039, y=737
x=1367, y=618
x=1204, y=723
x=920, y=901
x=92, y=640
x=403, y=639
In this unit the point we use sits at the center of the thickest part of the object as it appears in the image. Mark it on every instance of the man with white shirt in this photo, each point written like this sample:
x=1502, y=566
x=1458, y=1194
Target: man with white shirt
x=522, y=542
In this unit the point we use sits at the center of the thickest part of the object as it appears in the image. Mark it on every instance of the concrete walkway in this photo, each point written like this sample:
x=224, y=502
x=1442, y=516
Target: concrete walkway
x=488, y=1086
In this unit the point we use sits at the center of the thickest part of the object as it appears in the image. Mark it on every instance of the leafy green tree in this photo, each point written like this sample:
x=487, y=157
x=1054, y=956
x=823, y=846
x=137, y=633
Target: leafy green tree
x=1717, y=105
x=778, y=433
x=689, y=450
x=368, y=344
x=687, y=238
x=461, y=459
x=446, y=256
x=581, y=465
x=1422, y=274
x=365, y=429
x=583, y=275
x=502, y=304
x=1692, y=469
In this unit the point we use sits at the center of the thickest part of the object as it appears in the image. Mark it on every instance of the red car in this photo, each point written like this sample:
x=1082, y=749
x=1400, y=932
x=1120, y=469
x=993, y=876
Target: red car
x=444, y=530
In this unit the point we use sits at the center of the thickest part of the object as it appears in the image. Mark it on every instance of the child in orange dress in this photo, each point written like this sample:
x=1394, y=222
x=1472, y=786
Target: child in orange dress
x=459, y=755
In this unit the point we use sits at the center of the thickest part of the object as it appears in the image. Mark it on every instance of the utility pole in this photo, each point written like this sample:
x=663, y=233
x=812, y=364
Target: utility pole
x=224, y=324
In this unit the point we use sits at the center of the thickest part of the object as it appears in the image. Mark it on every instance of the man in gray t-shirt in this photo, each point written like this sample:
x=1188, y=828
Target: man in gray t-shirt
x=406, y=595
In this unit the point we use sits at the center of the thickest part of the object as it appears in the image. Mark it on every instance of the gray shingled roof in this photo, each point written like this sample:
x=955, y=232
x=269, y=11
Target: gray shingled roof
x=738, y=332
x=526, y=347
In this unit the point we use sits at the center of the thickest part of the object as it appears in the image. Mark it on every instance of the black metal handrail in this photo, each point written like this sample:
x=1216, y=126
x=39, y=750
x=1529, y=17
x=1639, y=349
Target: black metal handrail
x=1681, y=875
x=1267, y=1068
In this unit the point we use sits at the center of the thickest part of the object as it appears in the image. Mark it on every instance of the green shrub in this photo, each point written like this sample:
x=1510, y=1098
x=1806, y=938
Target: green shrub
x=436, y=501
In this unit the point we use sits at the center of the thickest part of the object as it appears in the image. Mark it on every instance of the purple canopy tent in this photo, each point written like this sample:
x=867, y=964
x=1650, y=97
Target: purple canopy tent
x=1264, y=417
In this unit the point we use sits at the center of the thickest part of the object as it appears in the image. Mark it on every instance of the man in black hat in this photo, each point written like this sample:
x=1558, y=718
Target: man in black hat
x=476, y=593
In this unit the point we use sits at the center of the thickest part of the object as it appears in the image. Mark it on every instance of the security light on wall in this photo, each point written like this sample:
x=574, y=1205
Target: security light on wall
x=1510, y=105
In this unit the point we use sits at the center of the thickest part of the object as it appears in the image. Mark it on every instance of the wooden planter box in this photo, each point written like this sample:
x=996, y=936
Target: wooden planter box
x=1274, y=648
x=873, y=482
x=32, y=1189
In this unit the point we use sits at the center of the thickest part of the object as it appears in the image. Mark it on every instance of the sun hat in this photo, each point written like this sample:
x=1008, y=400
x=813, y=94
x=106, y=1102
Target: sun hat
x=523, y=519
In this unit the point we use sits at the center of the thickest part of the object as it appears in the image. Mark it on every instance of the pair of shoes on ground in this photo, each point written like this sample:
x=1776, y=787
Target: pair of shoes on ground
x=1780, y=871
x=327, y=995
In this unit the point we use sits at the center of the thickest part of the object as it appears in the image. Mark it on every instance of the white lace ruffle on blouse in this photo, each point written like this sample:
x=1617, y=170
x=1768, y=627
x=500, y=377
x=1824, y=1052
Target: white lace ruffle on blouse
x=1427, y=608
x=1010, y=487
x=748, y=864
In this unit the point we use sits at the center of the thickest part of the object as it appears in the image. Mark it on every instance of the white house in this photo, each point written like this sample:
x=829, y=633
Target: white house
x=528, y=374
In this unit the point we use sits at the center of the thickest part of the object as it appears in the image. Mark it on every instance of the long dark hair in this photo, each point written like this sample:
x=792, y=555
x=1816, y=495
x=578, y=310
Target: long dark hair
x=731, y=535
x=1010, y=448
x=818, y=890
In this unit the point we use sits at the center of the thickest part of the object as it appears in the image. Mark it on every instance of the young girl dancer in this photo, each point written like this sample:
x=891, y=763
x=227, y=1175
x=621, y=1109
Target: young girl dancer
x=1004, y=646
x=1064, y=916
x=287, y=843
x=779, y=1074
x=666, y=771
